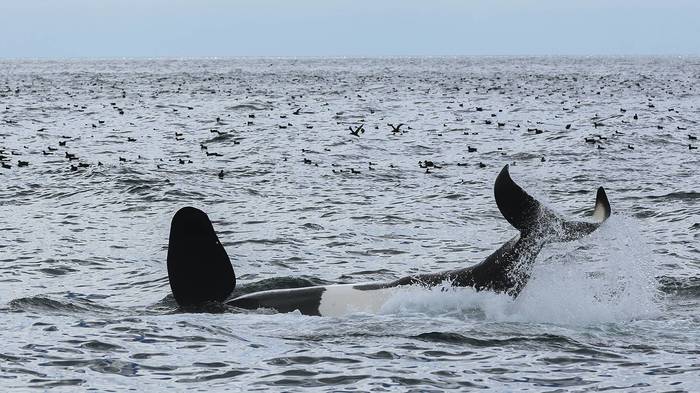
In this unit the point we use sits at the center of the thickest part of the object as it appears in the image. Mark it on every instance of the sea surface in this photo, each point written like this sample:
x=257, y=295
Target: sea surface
x=85, y=303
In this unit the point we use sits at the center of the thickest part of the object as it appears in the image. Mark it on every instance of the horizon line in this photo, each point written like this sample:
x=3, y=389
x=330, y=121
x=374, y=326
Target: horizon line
x=351, y=56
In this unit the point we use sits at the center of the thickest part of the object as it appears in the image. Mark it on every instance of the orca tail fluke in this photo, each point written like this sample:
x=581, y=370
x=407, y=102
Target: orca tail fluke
x=517, y=206
x=199, y=269
x=572, y=230
x=529, y=216
x=601, y=212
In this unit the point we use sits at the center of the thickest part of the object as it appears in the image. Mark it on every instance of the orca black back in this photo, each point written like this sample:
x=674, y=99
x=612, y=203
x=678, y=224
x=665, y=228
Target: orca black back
x=198, y=267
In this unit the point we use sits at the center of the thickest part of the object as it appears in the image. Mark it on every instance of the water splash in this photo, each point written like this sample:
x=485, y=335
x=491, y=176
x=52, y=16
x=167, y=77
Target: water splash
x=605, y=277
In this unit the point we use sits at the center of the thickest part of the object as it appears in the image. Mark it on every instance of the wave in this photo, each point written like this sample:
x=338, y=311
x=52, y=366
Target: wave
x=46, y=304
x=682, y=287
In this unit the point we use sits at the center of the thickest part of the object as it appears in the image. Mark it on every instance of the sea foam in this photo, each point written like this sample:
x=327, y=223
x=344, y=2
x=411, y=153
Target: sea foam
x=606, y=277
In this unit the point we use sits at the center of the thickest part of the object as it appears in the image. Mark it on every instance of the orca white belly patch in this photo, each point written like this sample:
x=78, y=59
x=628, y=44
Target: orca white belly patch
x=339, y=300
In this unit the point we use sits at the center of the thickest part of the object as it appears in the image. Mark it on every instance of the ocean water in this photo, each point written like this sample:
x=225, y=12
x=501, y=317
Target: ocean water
x=84, y=297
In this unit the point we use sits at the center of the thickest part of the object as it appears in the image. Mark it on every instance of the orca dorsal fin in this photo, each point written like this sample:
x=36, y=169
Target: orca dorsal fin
x=517, y=206
x=601, y=212
x=199, y=269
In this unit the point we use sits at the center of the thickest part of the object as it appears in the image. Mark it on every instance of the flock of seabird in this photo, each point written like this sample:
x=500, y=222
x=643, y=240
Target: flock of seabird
x=14, y=157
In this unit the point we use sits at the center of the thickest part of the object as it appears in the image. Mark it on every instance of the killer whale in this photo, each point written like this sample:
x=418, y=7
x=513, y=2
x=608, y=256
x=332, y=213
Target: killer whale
x=200, y=271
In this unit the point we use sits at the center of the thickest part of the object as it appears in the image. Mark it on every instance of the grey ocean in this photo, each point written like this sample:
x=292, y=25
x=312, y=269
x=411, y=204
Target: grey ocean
x=84, y=297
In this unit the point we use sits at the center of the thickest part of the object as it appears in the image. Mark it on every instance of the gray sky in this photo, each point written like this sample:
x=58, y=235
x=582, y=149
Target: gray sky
x=224, y=28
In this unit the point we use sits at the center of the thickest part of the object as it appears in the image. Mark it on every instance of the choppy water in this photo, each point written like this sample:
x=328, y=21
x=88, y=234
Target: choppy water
x=84, y=296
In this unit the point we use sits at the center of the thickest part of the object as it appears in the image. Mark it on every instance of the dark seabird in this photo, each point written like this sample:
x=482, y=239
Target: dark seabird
x=396, y=129
x=358, y=130
x=221, y=174
x=471, y=149
x=21, y=163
